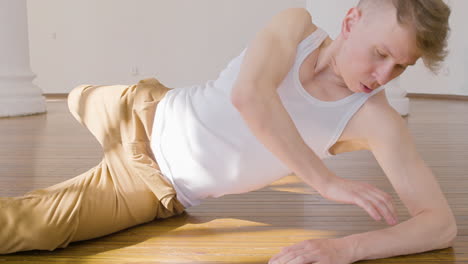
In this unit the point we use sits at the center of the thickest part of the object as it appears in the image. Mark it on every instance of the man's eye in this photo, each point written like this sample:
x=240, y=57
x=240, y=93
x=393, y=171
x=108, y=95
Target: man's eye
x=380, y=54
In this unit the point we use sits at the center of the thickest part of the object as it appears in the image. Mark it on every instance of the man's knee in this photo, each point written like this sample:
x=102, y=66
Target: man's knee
x=74, y=101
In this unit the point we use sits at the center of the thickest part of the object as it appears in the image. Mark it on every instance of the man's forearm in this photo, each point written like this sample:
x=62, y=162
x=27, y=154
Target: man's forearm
x=269, y=121
x=424, y=232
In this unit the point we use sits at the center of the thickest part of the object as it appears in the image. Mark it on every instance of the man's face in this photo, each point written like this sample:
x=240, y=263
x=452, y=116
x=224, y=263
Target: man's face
x=375, y=50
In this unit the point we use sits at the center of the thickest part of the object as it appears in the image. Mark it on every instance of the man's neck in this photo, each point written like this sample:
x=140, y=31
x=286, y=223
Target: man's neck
x=326, y=68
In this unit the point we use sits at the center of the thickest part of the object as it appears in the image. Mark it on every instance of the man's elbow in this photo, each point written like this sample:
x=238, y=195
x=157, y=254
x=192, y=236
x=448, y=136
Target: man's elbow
x=449, y=232
x=444, y=227
x=452, y=234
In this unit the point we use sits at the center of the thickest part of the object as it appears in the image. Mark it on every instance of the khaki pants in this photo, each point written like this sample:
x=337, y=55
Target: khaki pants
x=123, y=190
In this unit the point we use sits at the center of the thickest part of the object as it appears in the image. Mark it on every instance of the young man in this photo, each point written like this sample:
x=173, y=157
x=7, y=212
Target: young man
x=292, y=98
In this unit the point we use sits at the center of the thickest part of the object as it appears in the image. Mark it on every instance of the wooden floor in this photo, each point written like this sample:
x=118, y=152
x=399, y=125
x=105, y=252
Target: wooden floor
x=38, y=151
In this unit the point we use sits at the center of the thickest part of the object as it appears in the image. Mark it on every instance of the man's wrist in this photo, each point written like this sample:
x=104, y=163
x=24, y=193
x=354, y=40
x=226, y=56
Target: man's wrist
x=348, y=245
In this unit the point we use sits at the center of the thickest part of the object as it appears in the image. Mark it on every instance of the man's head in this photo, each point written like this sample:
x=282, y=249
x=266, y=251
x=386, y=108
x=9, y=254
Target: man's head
x=380, y=38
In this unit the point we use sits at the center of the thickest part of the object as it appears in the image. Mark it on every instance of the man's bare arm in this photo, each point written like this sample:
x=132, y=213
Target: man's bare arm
x=268, y=59
x=432, y=225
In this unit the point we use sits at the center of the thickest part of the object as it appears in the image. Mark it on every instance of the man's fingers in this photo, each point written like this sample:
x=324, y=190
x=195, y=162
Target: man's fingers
x=392, y=211
x=389, y=201
x=382, y=206
x=297, y=246
x=384, y=203
x=295, y=256
x=368, y=207
x=304, y=257
x=286, y=250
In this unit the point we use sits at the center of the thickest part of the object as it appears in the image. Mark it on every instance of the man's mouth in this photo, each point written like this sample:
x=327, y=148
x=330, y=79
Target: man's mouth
x=365, y=88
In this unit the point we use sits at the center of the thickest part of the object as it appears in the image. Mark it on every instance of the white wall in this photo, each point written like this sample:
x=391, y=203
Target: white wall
x=328, y=14
x=452, y=78
x=417, y=79
x=181, y=42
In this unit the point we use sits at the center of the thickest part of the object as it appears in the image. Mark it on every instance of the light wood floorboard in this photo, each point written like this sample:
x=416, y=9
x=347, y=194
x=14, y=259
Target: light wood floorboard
x=41, y=150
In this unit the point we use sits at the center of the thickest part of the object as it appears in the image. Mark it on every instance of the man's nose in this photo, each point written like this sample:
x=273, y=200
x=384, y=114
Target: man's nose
x=384, y=74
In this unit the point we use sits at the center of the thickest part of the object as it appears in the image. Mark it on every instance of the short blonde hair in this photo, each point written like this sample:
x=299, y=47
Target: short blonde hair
x=429, y=18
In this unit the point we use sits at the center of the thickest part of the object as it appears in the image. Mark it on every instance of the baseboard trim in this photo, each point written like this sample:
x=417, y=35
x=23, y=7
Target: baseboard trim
x=438, y=96
x=56, y=96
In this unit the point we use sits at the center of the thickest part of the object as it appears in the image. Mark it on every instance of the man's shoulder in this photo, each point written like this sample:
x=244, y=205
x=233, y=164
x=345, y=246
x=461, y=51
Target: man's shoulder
x=378, y=101
x=368, y=125
x=378, y=116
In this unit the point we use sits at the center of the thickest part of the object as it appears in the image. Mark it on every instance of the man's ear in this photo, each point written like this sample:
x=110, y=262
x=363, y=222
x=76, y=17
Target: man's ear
x=350, y=20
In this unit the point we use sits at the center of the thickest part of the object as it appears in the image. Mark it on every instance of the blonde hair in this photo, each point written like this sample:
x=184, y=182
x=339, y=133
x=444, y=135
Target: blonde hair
x=429, y=19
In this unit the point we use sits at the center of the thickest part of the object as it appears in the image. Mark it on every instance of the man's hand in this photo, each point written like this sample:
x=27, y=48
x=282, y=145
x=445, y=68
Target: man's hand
x=374, y=201
x=319, y=251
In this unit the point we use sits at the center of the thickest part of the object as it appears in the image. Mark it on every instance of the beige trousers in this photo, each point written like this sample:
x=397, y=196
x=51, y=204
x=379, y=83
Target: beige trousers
x=123, y=190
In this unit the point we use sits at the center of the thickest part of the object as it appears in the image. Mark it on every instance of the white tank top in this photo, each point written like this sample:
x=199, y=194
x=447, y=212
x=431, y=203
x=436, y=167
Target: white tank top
x=205, y=149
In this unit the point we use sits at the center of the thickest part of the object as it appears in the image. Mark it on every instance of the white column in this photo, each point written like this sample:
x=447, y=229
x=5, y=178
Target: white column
x=18, y=95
